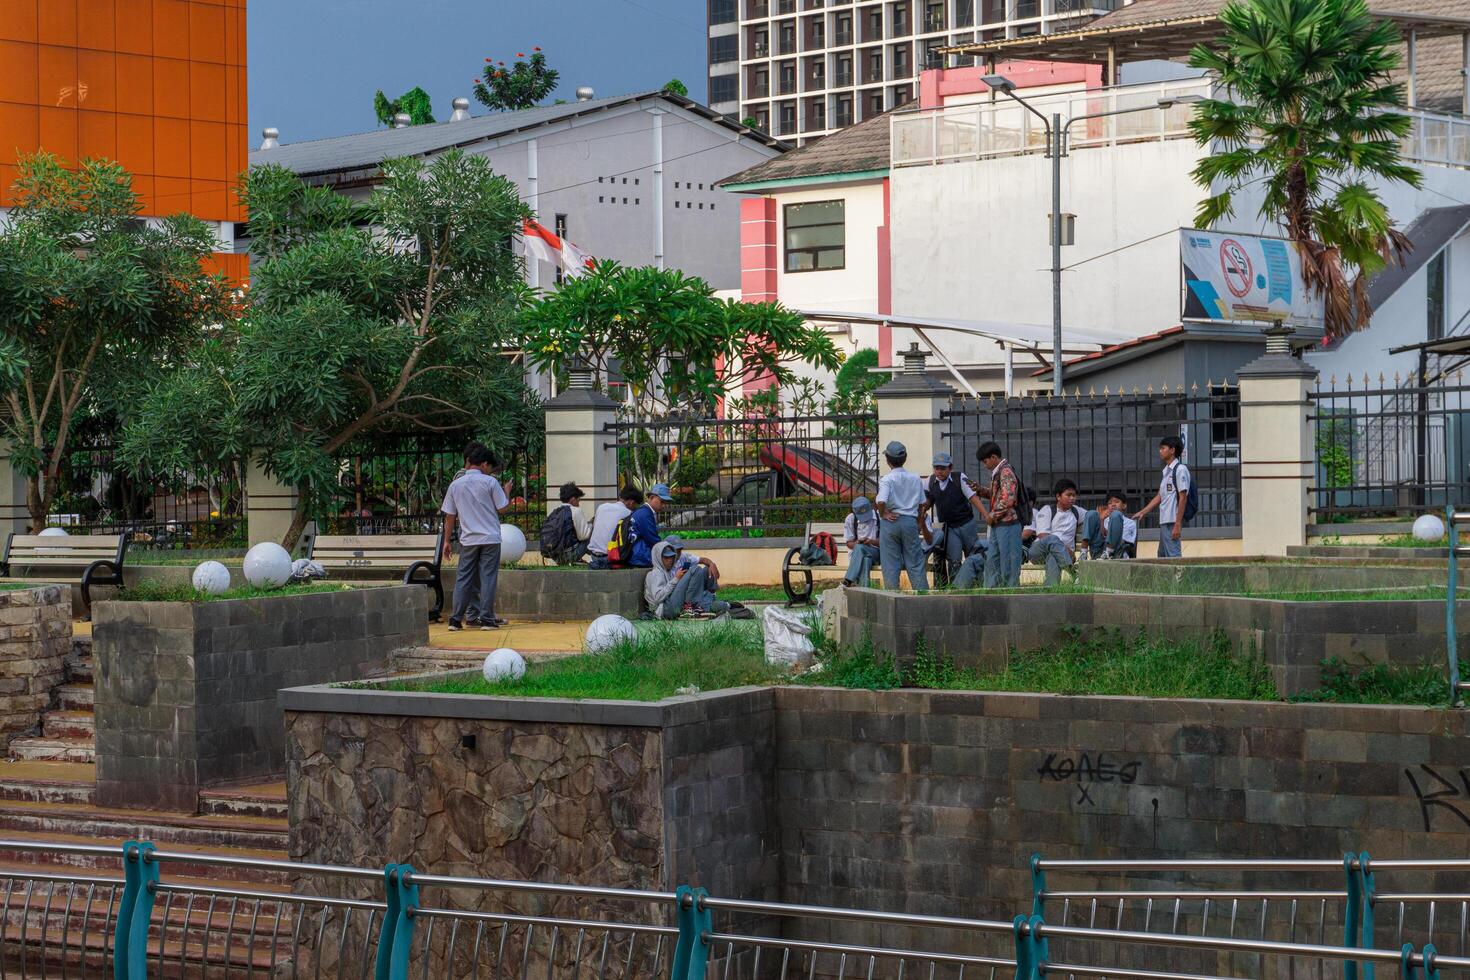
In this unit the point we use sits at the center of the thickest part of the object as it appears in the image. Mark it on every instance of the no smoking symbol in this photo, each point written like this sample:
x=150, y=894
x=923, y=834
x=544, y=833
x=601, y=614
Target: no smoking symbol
x=1236, y=265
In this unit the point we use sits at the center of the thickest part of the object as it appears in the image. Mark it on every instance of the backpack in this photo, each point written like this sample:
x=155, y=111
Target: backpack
x=558, y=534
x=620, y=546
x=1025, y=499
x=821, y=550
x=1191, y=503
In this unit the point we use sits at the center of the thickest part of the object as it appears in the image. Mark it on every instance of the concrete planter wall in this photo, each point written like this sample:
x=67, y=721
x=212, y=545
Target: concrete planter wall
x=186, y=692
x=1264, y=576
x=35, y=636
x=914, y=801
x=1293, y=638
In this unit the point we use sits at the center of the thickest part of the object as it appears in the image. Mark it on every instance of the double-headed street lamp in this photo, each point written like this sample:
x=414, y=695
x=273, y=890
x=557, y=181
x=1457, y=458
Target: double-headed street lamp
x=1056, y=148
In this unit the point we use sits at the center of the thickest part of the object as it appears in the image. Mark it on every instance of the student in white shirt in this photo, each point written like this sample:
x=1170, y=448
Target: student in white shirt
x=605, y=523
x=860, y=534
x=900, y=545
x=1175, y=486
x=1109, y=531
x=473, y=504
x=1053, y=532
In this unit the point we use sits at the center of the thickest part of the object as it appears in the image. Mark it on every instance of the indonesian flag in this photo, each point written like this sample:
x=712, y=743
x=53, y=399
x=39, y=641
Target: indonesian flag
x=545, y=245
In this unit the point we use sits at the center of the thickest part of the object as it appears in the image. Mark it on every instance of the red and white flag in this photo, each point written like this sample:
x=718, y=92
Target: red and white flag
x=544, y=244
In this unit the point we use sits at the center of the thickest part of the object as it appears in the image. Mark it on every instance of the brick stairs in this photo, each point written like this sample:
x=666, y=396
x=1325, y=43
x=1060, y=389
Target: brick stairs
x=69, y=730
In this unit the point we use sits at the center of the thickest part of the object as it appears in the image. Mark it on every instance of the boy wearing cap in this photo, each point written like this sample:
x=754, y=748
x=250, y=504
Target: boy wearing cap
x=860, y=534
x=676, y=582
x=953, y=500
x=645, y=525
x=900, y=545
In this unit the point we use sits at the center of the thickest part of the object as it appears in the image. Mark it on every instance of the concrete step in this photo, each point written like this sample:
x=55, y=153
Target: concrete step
x=76, y=697
x=48, y=782
x=33, y=748
x=27, y=848
x=69, y=724
x=80, y=670
x=185, y=830
x=267, y=800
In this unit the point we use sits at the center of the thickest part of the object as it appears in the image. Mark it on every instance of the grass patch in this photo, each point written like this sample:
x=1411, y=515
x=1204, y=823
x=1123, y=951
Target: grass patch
x=1379, y=684
x=150, y=590
x=1397, y=541
x=667, y=658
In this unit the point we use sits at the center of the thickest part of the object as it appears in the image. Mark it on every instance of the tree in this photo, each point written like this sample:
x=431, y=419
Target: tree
x=1309, y=113
x=415, y=102
x=91, y=299
x=362, y=318
x=521, y=86
x=675, y=87
x=678, y=348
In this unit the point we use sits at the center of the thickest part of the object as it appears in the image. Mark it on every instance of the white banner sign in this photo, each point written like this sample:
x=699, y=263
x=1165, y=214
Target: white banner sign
x=1230, y=276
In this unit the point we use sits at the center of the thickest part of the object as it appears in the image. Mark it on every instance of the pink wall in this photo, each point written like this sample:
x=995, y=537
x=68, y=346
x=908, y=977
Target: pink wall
x=938, y=84
x=758, y=249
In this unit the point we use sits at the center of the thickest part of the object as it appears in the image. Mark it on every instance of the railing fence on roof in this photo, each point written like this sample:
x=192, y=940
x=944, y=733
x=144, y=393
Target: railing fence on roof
x=1108, y=443
x=395, y=923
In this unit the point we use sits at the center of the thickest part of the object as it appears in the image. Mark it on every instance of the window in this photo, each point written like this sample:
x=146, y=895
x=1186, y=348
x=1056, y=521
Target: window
x=1435, y=278
x=599, y=180
x=676, y=205
x=815, y=236
x=722, y=49
x=724, y=88
x=561, y=232
x=721, y=11
x=599, y=199
x=1225, y=425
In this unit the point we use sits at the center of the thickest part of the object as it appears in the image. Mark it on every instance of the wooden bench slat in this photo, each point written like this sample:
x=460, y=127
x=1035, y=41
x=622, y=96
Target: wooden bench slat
x=404, y=559
x=377, y=541
x=78, y=552
x=53, y=560
x=57, y=541
x=372, y=551
x=366, y=563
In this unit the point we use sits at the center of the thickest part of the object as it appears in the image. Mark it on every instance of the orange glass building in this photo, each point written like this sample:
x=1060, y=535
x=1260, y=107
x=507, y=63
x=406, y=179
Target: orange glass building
x=157, y=85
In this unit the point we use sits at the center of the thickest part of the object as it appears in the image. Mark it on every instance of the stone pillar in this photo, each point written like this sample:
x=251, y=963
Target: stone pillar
x=579, y=448
x=909, y=409
x=1277, y=454
x=269, y=505
x=14, y=515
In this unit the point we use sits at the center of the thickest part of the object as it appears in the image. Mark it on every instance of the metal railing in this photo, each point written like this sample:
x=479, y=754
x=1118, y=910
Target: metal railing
x=761, y=475
x=396, y=922
x=1002, y=128
x=1108, y=443
x=1389, y=448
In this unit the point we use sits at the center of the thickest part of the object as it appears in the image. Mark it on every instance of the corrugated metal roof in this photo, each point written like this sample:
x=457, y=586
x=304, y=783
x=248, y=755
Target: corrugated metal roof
x=856, y=149
x=360, y=151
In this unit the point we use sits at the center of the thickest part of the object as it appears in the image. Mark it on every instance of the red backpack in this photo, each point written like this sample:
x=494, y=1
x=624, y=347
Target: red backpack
x=827, y=543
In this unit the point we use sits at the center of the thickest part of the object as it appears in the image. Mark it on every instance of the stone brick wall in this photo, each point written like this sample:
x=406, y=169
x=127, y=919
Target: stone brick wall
x=1293, y=638
x=1258, y=576
x=186, y=692
x=566, y=594
x=35, y=636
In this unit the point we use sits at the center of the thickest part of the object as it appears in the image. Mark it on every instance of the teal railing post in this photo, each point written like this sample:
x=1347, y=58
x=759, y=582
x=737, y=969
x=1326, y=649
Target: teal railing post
x=1451, y=630
x=1407, y=969
x=408, y=900
x=384, y=960
x=134, y=913
x=691, y=955
x=1038, y=885
x=1031, y=952
x=1366, y=886
x=1352, y=913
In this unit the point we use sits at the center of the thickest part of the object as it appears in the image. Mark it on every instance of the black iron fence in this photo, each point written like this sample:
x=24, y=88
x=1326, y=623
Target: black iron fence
x=752, y=477
x=175, y=510
x=1389, y=450
x=1109, y=443
x=394, y=483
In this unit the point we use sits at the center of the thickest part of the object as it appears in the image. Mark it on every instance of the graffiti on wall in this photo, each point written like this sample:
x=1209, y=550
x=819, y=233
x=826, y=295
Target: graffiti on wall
x=1087, y=771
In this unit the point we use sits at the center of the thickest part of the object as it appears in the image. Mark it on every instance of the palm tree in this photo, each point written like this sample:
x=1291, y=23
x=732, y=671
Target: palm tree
x=1308, y=109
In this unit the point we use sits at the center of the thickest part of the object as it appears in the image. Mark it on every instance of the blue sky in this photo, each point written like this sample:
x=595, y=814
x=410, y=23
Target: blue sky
x=315, y=64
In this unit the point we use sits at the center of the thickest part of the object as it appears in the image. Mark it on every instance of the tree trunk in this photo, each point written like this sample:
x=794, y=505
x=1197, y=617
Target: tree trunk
x=298, y=522
x=36, y=503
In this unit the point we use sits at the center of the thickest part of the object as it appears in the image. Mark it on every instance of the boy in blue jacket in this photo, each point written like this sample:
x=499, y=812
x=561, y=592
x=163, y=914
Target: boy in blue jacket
x=645, y=525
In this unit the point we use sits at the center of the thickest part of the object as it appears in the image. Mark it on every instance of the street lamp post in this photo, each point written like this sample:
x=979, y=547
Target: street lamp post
x=1056, y=148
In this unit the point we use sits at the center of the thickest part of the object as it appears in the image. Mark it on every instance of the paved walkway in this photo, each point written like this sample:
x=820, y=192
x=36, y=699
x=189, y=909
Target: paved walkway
x=525, y=637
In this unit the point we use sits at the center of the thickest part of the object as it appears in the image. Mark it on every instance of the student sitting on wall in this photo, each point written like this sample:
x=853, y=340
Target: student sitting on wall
x=1052, y=535
x=1109, y=531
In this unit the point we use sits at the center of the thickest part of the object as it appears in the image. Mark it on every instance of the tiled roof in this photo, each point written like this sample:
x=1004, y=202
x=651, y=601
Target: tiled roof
x=360, y=151
x=852, y=150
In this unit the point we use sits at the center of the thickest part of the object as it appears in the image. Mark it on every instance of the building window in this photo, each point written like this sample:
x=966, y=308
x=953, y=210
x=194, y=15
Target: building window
x=1435, y=278
x=599, y=180
x=723, y=49
x=599, y=199
x=722, y=11
x=637, y=200
x=676, y=205
x=815, y=236
x=724, y=88
x=560, y=225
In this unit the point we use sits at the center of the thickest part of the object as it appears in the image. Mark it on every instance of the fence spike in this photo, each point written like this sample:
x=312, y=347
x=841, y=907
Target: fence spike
x=1194, y=388
x=1380, y=379
x=1077, y=392
x=1334, y=380
x=1135, y=389
x=1092, y=391
x=1395, y=379
x=1105, y=391
x=1150, y=388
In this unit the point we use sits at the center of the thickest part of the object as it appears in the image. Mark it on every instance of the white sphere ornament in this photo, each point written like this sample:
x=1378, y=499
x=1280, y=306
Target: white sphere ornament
x=606, y=632
x=1428, y=528
x=504, y=665
x=53, y=532
x=512, y=544
x=267, y=565
x=211, y=577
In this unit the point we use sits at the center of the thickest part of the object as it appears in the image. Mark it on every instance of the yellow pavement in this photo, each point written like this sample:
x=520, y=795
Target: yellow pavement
x=524, y=637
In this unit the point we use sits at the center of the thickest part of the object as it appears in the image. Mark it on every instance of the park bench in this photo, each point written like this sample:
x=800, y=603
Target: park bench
x=421, y=555
x=797, y=575
x=99, y=556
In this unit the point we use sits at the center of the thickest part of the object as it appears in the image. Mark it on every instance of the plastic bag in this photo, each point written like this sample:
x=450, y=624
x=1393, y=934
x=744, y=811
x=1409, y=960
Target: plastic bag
x=788, y=635
x=306, y=570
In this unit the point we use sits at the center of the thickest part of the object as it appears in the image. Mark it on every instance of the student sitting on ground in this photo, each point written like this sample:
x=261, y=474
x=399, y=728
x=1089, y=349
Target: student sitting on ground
x=1109, y=531
x=1052, y=535
x=675, y=584
x=860, y=534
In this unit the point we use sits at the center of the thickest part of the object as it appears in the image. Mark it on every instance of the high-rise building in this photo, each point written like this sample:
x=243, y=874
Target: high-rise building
x=803, y=68
x=156, y=85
